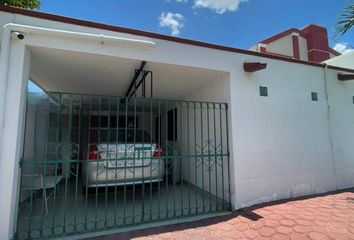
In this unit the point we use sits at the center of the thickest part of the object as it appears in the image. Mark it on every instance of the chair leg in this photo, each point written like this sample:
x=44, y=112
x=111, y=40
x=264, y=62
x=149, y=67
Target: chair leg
x=58, y=189
x=46, y=204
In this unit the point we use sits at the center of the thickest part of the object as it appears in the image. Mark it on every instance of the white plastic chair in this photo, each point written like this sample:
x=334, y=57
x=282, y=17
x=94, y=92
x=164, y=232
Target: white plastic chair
x=38, y=182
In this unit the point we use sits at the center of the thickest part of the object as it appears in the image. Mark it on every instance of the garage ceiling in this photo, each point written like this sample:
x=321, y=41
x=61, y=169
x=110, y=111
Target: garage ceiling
x=64, y=71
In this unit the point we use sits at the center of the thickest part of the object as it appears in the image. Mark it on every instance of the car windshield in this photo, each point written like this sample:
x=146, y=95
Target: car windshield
x=127, y=136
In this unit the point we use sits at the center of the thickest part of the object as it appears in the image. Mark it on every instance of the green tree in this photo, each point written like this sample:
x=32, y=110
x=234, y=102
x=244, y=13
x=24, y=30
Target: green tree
x=27, y=4
x=346, y=20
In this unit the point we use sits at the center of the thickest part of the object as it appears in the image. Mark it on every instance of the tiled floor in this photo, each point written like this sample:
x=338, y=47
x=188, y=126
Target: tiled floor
x=329, y=216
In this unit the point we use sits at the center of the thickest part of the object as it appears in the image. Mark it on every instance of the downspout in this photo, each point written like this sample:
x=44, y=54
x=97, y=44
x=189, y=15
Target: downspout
x=330, y=123
x=4, y=68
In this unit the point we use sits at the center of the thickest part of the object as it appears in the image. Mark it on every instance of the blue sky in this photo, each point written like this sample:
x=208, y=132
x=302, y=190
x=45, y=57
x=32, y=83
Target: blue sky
x=237, y=23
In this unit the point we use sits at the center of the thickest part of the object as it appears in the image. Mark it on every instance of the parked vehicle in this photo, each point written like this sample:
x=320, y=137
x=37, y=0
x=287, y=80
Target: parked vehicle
x=128, y=156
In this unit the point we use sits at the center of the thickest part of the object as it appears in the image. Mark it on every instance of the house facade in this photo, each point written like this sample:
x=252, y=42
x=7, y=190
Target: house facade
x=237, y=127
x=308, y=44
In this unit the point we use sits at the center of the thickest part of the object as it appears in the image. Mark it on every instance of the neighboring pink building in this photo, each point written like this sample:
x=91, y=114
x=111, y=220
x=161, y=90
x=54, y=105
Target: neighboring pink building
x=309, y=44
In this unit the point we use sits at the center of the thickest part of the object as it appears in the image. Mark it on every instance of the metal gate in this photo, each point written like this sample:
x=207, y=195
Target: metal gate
x=92, y=163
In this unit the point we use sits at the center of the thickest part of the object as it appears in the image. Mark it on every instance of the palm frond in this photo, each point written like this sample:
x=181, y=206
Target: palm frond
x=346, y=20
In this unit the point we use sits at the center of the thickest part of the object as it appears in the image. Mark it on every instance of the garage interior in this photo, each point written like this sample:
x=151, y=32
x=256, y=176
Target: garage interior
x=115, y=142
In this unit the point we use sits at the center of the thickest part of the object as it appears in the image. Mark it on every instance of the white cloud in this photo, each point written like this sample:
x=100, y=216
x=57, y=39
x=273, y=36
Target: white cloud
x=175, y=21
x=342, y=48
x=219, y=6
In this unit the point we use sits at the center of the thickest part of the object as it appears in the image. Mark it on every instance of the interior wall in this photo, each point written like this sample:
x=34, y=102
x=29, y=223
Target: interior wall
x=205, y=132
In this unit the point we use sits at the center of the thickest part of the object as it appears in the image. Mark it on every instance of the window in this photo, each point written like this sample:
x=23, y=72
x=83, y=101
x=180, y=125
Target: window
x=263, y=91
x=314, y=96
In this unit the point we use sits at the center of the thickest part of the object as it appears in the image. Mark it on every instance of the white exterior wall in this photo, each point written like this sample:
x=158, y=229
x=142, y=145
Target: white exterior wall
x=280, y=145
x=303, y=48
x=282, y=46
x=341, y=101
x=12, y=136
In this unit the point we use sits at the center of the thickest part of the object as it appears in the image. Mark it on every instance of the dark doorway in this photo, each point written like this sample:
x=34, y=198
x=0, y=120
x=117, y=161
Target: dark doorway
x=172, y=124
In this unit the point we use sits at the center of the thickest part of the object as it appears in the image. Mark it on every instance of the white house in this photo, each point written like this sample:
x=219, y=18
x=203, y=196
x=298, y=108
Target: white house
x=229, y=127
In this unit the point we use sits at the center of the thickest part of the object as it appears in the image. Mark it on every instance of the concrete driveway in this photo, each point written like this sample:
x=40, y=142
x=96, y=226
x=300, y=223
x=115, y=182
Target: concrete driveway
x=329, y=216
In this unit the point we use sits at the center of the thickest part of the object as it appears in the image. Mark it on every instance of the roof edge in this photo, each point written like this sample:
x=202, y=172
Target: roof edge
x=84, y=23
x=334, y=52
x=281, y=35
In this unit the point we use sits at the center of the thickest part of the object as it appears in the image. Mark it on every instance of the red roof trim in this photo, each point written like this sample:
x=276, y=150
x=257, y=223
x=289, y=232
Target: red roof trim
x=278, y=54
x=334, y=52
x=84, y=23
x=345, y=77
x=253, y=66
x=339, y=68
x=281, y=35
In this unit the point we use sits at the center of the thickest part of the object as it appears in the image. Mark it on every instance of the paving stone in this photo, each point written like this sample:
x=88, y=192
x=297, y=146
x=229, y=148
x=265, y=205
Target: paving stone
x=283, y=230
x=279, y=236
x=301, y=229
x=237, y=234
x=304, y=222
x=251, y=234
x=266, y=231
x=317, y=236
x=298, y=236
x=256, y=225
x=271, y=223
x=286, y=222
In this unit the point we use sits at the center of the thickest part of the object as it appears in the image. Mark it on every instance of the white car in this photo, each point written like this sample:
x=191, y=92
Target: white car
x=131, y=157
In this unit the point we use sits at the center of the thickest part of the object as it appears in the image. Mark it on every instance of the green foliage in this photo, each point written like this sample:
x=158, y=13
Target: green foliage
x=27, y=4
x=346, y=20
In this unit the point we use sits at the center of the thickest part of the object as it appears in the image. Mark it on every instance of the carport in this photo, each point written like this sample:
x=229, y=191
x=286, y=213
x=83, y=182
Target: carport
x=114, y=142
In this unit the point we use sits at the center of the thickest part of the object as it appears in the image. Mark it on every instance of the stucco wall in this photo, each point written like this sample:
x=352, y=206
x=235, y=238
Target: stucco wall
x=281, y=46
x=303, y=48
x=283, y=146
x=341, y=102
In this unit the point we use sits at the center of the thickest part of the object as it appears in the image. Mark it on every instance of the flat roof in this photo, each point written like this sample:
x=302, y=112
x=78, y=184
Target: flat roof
x=91, y=24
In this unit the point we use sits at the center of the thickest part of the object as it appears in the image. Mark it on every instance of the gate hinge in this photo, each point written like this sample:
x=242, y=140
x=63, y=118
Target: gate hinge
x=21, y=163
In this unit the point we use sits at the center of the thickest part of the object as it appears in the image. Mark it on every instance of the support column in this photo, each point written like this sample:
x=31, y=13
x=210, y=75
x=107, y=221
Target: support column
x=232, y=138
x=262, y=47
x=296, y=46
x=12, y=135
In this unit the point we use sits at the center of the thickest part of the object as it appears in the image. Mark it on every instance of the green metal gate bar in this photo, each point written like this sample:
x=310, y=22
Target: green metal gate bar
x=98, y=162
